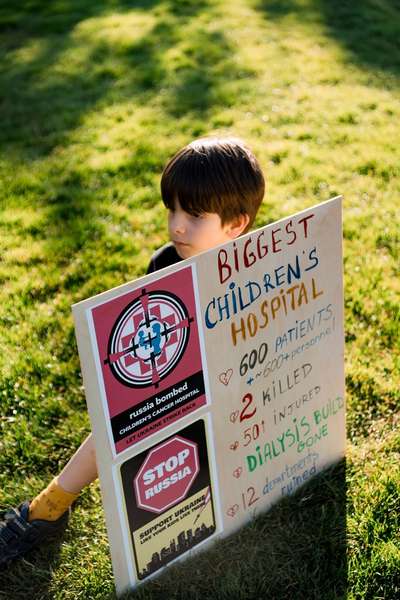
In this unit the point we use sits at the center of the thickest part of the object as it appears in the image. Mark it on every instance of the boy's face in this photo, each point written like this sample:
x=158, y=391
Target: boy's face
x=192, y=235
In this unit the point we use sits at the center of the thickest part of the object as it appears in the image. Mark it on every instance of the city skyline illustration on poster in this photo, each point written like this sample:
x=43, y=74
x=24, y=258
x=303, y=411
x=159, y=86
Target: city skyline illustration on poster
x=170, y=504
x=215, y=387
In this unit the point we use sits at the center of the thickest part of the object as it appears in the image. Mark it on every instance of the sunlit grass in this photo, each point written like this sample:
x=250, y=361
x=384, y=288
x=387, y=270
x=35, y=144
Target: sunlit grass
x=95, y=98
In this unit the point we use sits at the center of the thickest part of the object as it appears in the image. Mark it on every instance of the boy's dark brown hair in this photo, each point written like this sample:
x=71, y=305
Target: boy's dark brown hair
x=214, y=175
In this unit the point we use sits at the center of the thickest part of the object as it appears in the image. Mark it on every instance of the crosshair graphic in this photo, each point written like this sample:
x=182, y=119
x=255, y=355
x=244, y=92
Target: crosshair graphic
x=148, y=339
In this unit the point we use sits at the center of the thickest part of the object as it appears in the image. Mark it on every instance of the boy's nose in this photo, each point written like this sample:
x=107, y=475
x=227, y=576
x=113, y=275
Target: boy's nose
x=178, y=224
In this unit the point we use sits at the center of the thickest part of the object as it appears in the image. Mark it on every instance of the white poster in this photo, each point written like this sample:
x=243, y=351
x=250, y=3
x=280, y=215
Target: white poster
x=215, y=387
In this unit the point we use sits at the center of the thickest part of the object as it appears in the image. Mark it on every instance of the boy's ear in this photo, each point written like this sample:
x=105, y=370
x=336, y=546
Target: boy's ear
x=237, y=226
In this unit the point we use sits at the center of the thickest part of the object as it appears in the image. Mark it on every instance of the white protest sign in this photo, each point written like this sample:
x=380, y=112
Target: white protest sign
x=215, y=387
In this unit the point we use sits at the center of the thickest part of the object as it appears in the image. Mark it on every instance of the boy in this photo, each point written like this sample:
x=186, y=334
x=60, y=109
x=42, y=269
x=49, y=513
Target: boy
x=212, y=189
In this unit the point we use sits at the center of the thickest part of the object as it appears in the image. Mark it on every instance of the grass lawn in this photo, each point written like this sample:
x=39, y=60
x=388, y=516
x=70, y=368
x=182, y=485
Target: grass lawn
x=95, y=97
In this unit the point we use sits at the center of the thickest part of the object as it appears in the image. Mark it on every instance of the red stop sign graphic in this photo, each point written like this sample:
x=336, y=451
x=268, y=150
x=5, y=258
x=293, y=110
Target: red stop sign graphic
x=166, y=474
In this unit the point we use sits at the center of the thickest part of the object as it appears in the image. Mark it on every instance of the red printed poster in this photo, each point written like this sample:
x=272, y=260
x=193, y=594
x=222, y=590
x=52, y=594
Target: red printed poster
x=150, y=359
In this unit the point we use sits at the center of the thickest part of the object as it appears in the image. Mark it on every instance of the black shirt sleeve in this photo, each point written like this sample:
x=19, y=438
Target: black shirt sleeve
x=164, y=257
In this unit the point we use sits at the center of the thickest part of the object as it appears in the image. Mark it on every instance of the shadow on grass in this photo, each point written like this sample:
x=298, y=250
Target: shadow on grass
x=43, y=99
x=31, y=18
x=39, y=106
x=30, y=577
x=295, y=551
x=369, y=30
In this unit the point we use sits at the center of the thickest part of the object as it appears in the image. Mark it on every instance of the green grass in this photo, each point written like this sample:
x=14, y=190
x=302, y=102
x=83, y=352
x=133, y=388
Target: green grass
x=96, y=96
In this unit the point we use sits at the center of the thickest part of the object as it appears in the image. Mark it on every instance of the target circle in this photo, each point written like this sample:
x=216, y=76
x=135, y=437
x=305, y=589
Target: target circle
x=148, y=339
